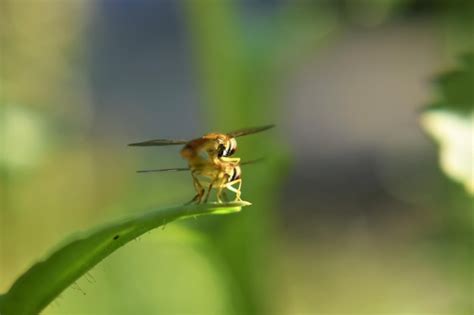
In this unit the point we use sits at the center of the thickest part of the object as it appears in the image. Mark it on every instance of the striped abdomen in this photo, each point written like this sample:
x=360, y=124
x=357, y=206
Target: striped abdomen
x=236, y=173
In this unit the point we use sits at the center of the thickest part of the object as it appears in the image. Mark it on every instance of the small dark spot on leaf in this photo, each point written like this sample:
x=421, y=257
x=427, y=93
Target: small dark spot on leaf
x=116, y=237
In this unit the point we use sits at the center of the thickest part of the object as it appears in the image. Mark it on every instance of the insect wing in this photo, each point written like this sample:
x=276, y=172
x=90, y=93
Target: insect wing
x=176, y=169
x=249, y=131
x=252, y=161
x=180, y=169
x=157, y=142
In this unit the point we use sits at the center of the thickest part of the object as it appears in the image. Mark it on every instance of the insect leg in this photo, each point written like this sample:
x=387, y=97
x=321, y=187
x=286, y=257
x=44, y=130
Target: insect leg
x=218, y=194
x=192, y=200
x=220, y=187
x=230, y=159
x=208, y=191
x=213, y=182
x=198, y=187
x=237, y=191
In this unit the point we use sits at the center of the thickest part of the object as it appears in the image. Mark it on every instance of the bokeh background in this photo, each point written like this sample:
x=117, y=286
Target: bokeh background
x=352, y=213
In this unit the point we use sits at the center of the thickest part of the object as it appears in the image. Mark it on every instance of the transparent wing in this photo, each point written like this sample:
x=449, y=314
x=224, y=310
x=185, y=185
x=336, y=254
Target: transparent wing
x=157, y=142
x=252, y=161
x=249, y=131
x=176, y=169
x=179, y=169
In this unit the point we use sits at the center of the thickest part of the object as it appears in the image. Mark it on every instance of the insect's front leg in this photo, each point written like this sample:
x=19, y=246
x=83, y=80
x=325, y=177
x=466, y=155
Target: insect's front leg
x=235, y=160
x=221, y=193
x=237, y=191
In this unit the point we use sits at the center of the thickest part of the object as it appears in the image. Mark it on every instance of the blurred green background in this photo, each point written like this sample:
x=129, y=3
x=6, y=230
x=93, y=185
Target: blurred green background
x=352, y=213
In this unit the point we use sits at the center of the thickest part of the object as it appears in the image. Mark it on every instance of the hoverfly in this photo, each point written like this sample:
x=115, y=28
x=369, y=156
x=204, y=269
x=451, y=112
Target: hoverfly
x=210, y=157
x=221, y=176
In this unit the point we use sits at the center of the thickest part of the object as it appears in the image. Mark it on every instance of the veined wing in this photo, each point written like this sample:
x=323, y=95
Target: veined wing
x=163, y=142
x=176, y=169
x=157, y=142
x=252, y=161
x=249, y=131
x=179, y=169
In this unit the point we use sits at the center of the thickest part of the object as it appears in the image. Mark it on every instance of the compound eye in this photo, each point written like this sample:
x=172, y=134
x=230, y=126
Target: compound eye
x=228, y=149
x=221, y=150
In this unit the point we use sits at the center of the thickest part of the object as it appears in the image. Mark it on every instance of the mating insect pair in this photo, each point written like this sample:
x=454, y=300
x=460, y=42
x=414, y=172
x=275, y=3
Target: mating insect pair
x=210, y=160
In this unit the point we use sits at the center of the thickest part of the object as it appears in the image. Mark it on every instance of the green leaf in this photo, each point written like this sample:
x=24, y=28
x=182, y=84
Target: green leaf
x=45, y=280
x=456, y=87
x=454, y=133
x=450, y=121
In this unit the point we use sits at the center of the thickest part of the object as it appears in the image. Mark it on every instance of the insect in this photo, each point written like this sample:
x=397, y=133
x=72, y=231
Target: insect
x=220, y=176
x=210, y=157
x=212, y=146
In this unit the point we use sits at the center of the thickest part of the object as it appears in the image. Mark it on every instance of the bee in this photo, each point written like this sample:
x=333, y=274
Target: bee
x=222, y=176
x=212, y=146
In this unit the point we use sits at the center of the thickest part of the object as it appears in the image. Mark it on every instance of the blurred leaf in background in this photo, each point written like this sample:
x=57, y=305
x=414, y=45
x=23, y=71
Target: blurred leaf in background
x=456, y=24
x=450, y=121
